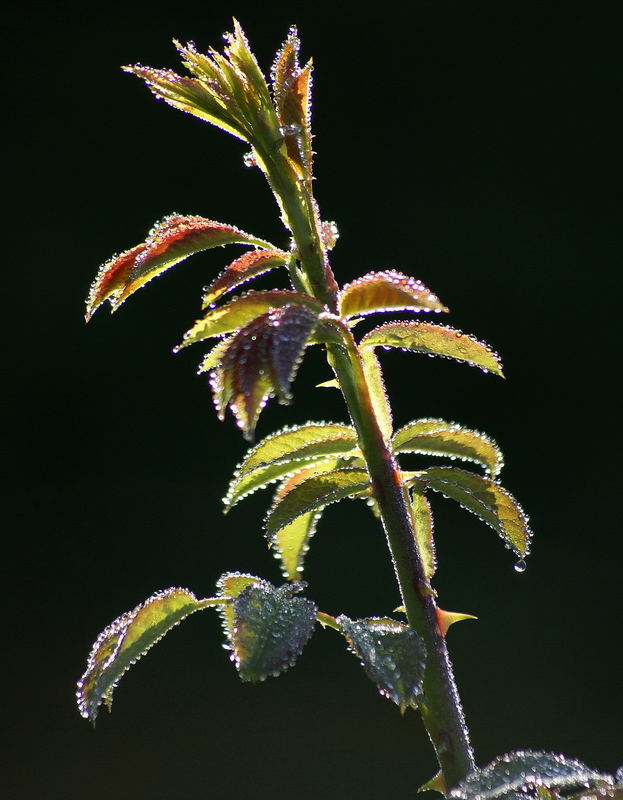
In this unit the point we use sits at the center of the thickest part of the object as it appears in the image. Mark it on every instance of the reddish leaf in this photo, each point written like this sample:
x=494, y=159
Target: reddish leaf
x=386, y=291
x=169, y=242
x=261, y=360
x=243, y=269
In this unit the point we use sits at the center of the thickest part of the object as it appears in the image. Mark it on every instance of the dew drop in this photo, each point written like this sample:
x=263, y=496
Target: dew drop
x=520, y=566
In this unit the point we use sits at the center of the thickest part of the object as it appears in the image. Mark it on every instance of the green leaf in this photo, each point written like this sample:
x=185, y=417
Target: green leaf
x=169, y=242
x=242, y=310
x=228, y=587
x=291, y=544
x=286, y=451
x=522, y=770
x=315, y=493
x=192, y=96
x=128, y=638
x=378, y=393
x=243, y=269
x=485, y=498
x=213, y=358
x=440, y=438
x=392, y=655
x=435, y=340
x=386, y=291
x=423, y=526
x=270, y=629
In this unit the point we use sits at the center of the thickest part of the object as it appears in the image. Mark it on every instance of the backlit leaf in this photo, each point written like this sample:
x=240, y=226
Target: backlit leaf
x=192, y=96
x=243, y=269
x=522, y=770
x=485, y=498
x=423, y=527
x=291, y=544
x=242, y=310
x=392, y=655
x=440, y=438
x=169, y=242
x=378, y=394
x=315, y=493
x=128, y=638
x=435, y=340
x=229, y=586
x=286, y=451
x=271, y=627
x=386, y=291
x=260, y=361
x=214, y=357
x=292, y=93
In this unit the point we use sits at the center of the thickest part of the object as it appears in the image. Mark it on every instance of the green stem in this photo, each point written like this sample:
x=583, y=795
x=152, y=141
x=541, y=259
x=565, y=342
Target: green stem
x=441, y=707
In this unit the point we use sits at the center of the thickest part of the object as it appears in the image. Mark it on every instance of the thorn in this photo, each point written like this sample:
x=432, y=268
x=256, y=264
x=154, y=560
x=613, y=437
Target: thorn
x=437, y=784
x=332, y=384
x=447, y=618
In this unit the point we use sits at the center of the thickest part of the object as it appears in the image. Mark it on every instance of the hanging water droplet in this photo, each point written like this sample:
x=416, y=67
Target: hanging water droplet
x=520, y=566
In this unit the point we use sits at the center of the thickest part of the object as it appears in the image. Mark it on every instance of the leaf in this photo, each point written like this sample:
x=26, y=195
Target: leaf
x=522, y=770
x=378, y=393
x=192, y=96
x=260, y=361
x=229, y=586
x=485, y=498
x=243, y=269
x=435, y=340
x=128, y=638
x=423, y=527
x=242, y=310
x=271, y=627
x=314, y=494
x=392, y=655
x=386, y=291
x=291, y=544
x=440, y=438
x=292, y=93
x=214, y=357
x=286, y=451
x=169, y=242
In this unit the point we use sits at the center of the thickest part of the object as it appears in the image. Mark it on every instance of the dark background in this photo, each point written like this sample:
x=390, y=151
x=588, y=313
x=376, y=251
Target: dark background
x=474, y=145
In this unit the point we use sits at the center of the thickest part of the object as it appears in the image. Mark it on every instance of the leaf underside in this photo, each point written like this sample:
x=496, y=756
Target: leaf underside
x=270, y=629
x=440, y=438
x=386, y=291
x=523, y=770
x=128, y=638
x=485, y=498
x=435, y=340
x=169, y=242
x=392, y=655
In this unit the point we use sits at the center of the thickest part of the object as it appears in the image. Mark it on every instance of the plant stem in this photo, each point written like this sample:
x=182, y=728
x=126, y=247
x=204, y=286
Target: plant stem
x=440, y=707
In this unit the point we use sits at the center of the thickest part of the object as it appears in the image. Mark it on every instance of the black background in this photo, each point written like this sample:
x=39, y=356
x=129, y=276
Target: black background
x=473, y=145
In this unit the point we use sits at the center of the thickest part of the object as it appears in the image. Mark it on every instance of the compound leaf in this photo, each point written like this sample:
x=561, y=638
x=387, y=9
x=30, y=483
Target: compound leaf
x=242, y=310
x=286, y=451
x=485, y=498
x=386, y=291
x=128, y=638
x=270, y=629
x=522, y=770
x=243, y=269
x=435, y=340
x=440, y=438
x=392, y=655
x=169, y=242
x=314, y=493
